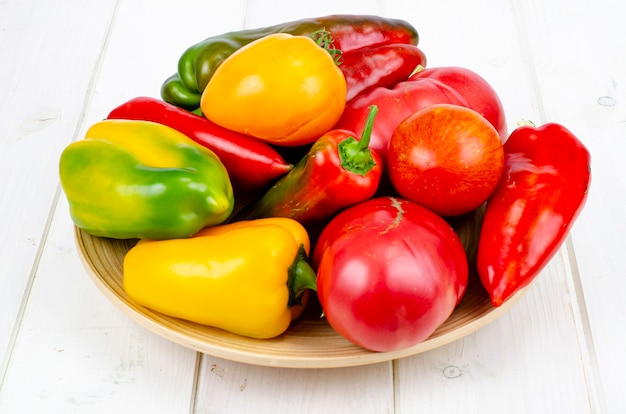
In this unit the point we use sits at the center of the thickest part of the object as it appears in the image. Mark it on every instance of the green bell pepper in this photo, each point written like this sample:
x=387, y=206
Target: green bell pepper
x=139, y=179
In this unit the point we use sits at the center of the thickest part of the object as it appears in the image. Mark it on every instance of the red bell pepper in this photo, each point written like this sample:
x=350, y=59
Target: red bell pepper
x=394, y=106
x=252, y=165
x=389, y=272
x=478, y=93
x=409, y=96
x=379, y=66
x=338, y=171
x=542, y=190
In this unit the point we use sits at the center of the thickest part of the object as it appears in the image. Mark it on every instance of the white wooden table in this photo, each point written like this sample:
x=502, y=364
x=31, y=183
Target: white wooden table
x=64, y=348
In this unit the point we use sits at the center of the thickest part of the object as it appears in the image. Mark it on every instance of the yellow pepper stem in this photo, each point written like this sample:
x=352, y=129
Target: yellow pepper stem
x=301, y=277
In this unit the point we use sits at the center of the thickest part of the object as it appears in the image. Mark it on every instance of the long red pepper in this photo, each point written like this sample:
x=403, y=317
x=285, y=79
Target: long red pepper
x=542, y=190
x=252, y=165
x=337, y=172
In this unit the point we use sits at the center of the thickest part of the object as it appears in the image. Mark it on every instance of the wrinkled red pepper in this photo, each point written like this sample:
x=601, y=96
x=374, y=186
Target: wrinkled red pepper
x=252, y=165
x=337, y=172
x=418, y=92
x=379, y=66
x=542, y=190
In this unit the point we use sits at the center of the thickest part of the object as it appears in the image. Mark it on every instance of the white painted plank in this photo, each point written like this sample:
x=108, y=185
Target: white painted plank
x=76, y=353
x=228, y=387
x=581, y=73
x=48, y=54
x=260, y=13
x=527, y=361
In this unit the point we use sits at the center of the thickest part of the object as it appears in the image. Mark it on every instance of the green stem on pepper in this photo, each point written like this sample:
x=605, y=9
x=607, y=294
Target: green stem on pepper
x=301, y=277
x=356, y=156
x=325, y=40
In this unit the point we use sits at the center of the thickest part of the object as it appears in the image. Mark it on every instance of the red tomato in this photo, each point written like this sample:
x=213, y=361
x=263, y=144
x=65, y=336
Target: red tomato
x=389, y=272
x=447, y=158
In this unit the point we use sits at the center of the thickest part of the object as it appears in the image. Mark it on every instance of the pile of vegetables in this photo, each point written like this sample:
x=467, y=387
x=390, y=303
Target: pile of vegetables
x=323, y=157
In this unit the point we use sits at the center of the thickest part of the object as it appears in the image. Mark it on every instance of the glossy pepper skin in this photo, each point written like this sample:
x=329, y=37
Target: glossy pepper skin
x=379, y=66
x=542, y=190
x=252, y=165
x=407, y=97
x=337, y=172
x=282, y=89
x=138, y=179
x=242, y=277
x=198, y=63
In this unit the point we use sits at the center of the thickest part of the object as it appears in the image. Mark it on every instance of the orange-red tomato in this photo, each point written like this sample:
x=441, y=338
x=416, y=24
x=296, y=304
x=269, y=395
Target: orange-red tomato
x=282, y=89
x=445, y=157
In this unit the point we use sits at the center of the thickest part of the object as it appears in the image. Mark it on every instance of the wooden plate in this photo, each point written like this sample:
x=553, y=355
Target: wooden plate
x=309, y=343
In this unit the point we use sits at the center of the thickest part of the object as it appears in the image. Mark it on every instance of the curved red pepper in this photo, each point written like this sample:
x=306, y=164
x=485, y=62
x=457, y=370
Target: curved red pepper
x=379, y=66
x=542, y=190
x=252, y=165
x=337, y=172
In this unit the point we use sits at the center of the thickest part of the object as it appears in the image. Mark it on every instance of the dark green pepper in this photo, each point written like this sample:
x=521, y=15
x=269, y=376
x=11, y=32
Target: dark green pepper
x=349, y=32
x=139, y=179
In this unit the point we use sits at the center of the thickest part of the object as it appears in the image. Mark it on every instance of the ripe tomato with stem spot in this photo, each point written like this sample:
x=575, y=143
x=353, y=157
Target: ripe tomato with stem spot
x=445, y=157
x=389, y=273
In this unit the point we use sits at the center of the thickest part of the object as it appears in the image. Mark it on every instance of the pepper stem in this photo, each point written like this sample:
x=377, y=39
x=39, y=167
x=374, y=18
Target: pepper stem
x=355, y=156
x=417, y=69
x=301, y=277
x=324, y=39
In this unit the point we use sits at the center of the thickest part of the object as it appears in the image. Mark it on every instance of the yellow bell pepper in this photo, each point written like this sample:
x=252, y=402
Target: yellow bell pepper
x=282, y=89
x=242, y=277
